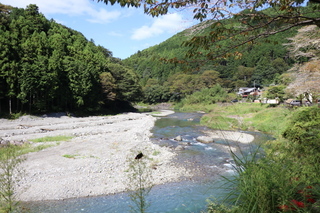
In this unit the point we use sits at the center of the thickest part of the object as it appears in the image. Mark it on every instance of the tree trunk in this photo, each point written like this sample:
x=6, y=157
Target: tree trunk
x=10, y=110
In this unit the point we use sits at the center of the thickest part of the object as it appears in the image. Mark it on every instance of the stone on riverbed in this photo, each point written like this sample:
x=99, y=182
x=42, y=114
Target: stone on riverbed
x=178, y=138
x=205, y=139
x=179, y=148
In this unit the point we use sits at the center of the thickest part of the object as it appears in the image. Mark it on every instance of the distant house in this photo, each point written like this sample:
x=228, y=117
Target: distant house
x=245, y=91
x=270, y=101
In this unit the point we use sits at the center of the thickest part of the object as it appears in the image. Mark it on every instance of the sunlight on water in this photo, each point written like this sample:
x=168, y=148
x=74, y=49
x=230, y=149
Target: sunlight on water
x=182, y=197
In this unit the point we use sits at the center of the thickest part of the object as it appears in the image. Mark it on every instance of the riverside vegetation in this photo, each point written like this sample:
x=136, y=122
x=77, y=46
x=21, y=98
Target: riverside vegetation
x=286, y=177
x=43, y=59
x=10, y=174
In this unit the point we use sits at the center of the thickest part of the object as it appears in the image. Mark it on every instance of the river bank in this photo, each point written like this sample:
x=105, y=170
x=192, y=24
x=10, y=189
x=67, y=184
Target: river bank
x=94, y=162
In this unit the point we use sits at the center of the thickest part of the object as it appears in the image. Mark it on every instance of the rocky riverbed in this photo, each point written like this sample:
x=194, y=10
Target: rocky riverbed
x=94, y=162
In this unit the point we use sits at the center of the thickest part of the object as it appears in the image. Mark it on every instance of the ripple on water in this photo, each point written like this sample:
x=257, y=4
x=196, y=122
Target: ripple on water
x=210, y=160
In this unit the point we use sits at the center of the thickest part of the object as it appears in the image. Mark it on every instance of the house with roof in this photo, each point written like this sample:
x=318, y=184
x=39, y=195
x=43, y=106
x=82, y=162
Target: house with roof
x=245, y=91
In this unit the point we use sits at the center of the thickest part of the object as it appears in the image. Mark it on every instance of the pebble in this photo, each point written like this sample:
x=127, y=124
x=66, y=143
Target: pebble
x=111, y=141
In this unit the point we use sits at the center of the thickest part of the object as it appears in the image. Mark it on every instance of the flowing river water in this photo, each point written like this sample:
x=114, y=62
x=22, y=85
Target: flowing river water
x=207, y=161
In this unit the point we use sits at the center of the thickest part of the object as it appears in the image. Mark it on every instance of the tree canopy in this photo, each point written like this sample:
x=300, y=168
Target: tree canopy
x=45, y=66
x=225, y=36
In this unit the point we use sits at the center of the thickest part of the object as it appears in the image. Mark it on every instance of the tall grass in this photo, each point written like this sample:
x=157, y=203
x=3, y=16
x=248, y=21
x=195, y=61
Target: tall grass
x=265, y=185
x=219, y=122
x=271, y=120
x=248, y=116
x=282, y=180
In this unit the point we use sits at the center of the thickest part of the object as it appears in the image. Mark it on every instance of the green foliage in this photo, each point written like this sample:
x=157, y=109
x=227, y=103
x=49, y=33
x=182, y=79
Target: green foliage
x=139, y=184
x=45, y=66
x=303, y=135
x=267, y=184
x=207, y=96
x=156, y=94
x=10, y=174
x=127, y=82
x=219, y=122
x=52, y=138
x=276, y=92
x=108, y=84
x=259, y=64
x=185, y=84
x=270, y=120
x=245, y=116
x=285, y=179
x=214, y=207
x=37, y=148
x=259, y=184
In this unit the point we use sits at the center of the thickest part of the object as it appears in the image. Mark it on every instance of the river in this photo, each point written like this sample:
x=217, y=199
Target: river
x=208, y=161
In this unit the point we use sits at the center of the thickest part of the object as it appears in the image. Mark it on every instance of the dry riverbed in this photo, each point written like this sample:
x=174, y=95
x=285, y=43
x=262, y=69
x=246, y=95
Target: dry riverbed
x=94, y=162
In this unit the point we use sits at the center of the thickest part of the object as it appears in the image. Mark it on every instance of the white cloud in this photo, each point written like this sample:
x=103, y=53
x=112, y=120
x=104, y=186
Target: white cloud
x=103, y=16
x=70, y=7
x=170, y=23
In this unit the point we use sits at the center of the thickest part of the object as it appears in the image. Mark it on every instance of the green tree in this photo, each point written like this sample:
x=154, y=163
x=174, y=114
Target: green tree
x=207, y=96
x=185, y=84
x=253, y=24
x=139, y=183
x=303, y=137
x=108, y=84
x=244, y=74
x=156, y=94
x=37, y=82
x=127, y=82
x=276, y=92
x=45, y=66
x=210, y=78
x=279, y=65
x=10, y=61
x=10, y=172
x=4, y=13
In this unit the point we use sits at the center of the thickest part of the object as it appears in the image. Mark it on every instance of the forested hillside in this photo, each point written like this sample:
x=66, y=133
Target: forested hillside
x=46, y=66
x=259, y=63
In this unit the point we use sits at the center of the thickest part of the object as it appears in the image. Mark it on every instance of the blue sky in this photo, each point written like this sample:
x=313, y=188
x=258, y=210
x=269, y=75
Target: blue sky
x=123, y=31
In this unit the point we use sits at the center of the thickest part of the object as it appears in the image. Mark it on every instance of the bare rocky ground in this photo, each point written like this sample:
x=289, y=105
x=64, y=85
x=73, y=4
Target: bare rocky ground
x=94, y=162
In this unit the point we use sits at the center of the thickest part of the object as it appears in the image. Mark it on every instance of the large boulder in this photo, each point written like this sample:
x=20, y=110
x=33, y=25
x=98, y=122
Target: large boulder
x=205, y=139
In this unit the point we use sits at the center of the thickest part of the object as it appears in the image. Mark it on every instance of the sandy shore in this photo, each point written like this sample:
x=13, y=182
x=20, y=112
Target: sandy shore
x=230, y=135
x=94, y=162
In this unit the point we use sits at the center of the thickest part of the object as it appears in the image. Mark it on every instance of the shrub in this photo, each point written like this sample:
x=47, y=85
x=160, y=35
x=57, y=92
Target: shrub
x=287, y=178
x=10, y=174
x=207, y=96
x=303, y=147
x=139, y=182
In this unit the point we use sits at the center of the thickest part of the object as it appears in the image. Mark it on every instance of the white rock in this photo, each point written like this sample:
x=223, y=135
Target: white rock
x=205, y=139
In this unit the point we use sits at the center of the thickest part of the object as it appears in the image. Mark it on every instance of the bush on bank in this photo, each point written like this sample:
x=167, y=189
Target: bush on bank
x=245, y=116
x=286, y=178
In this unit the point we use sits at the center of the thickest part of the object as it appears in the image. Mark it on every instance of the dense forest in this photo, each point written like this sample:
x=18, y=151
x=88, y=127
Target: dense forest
x=46, y=66
x=260, y=64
